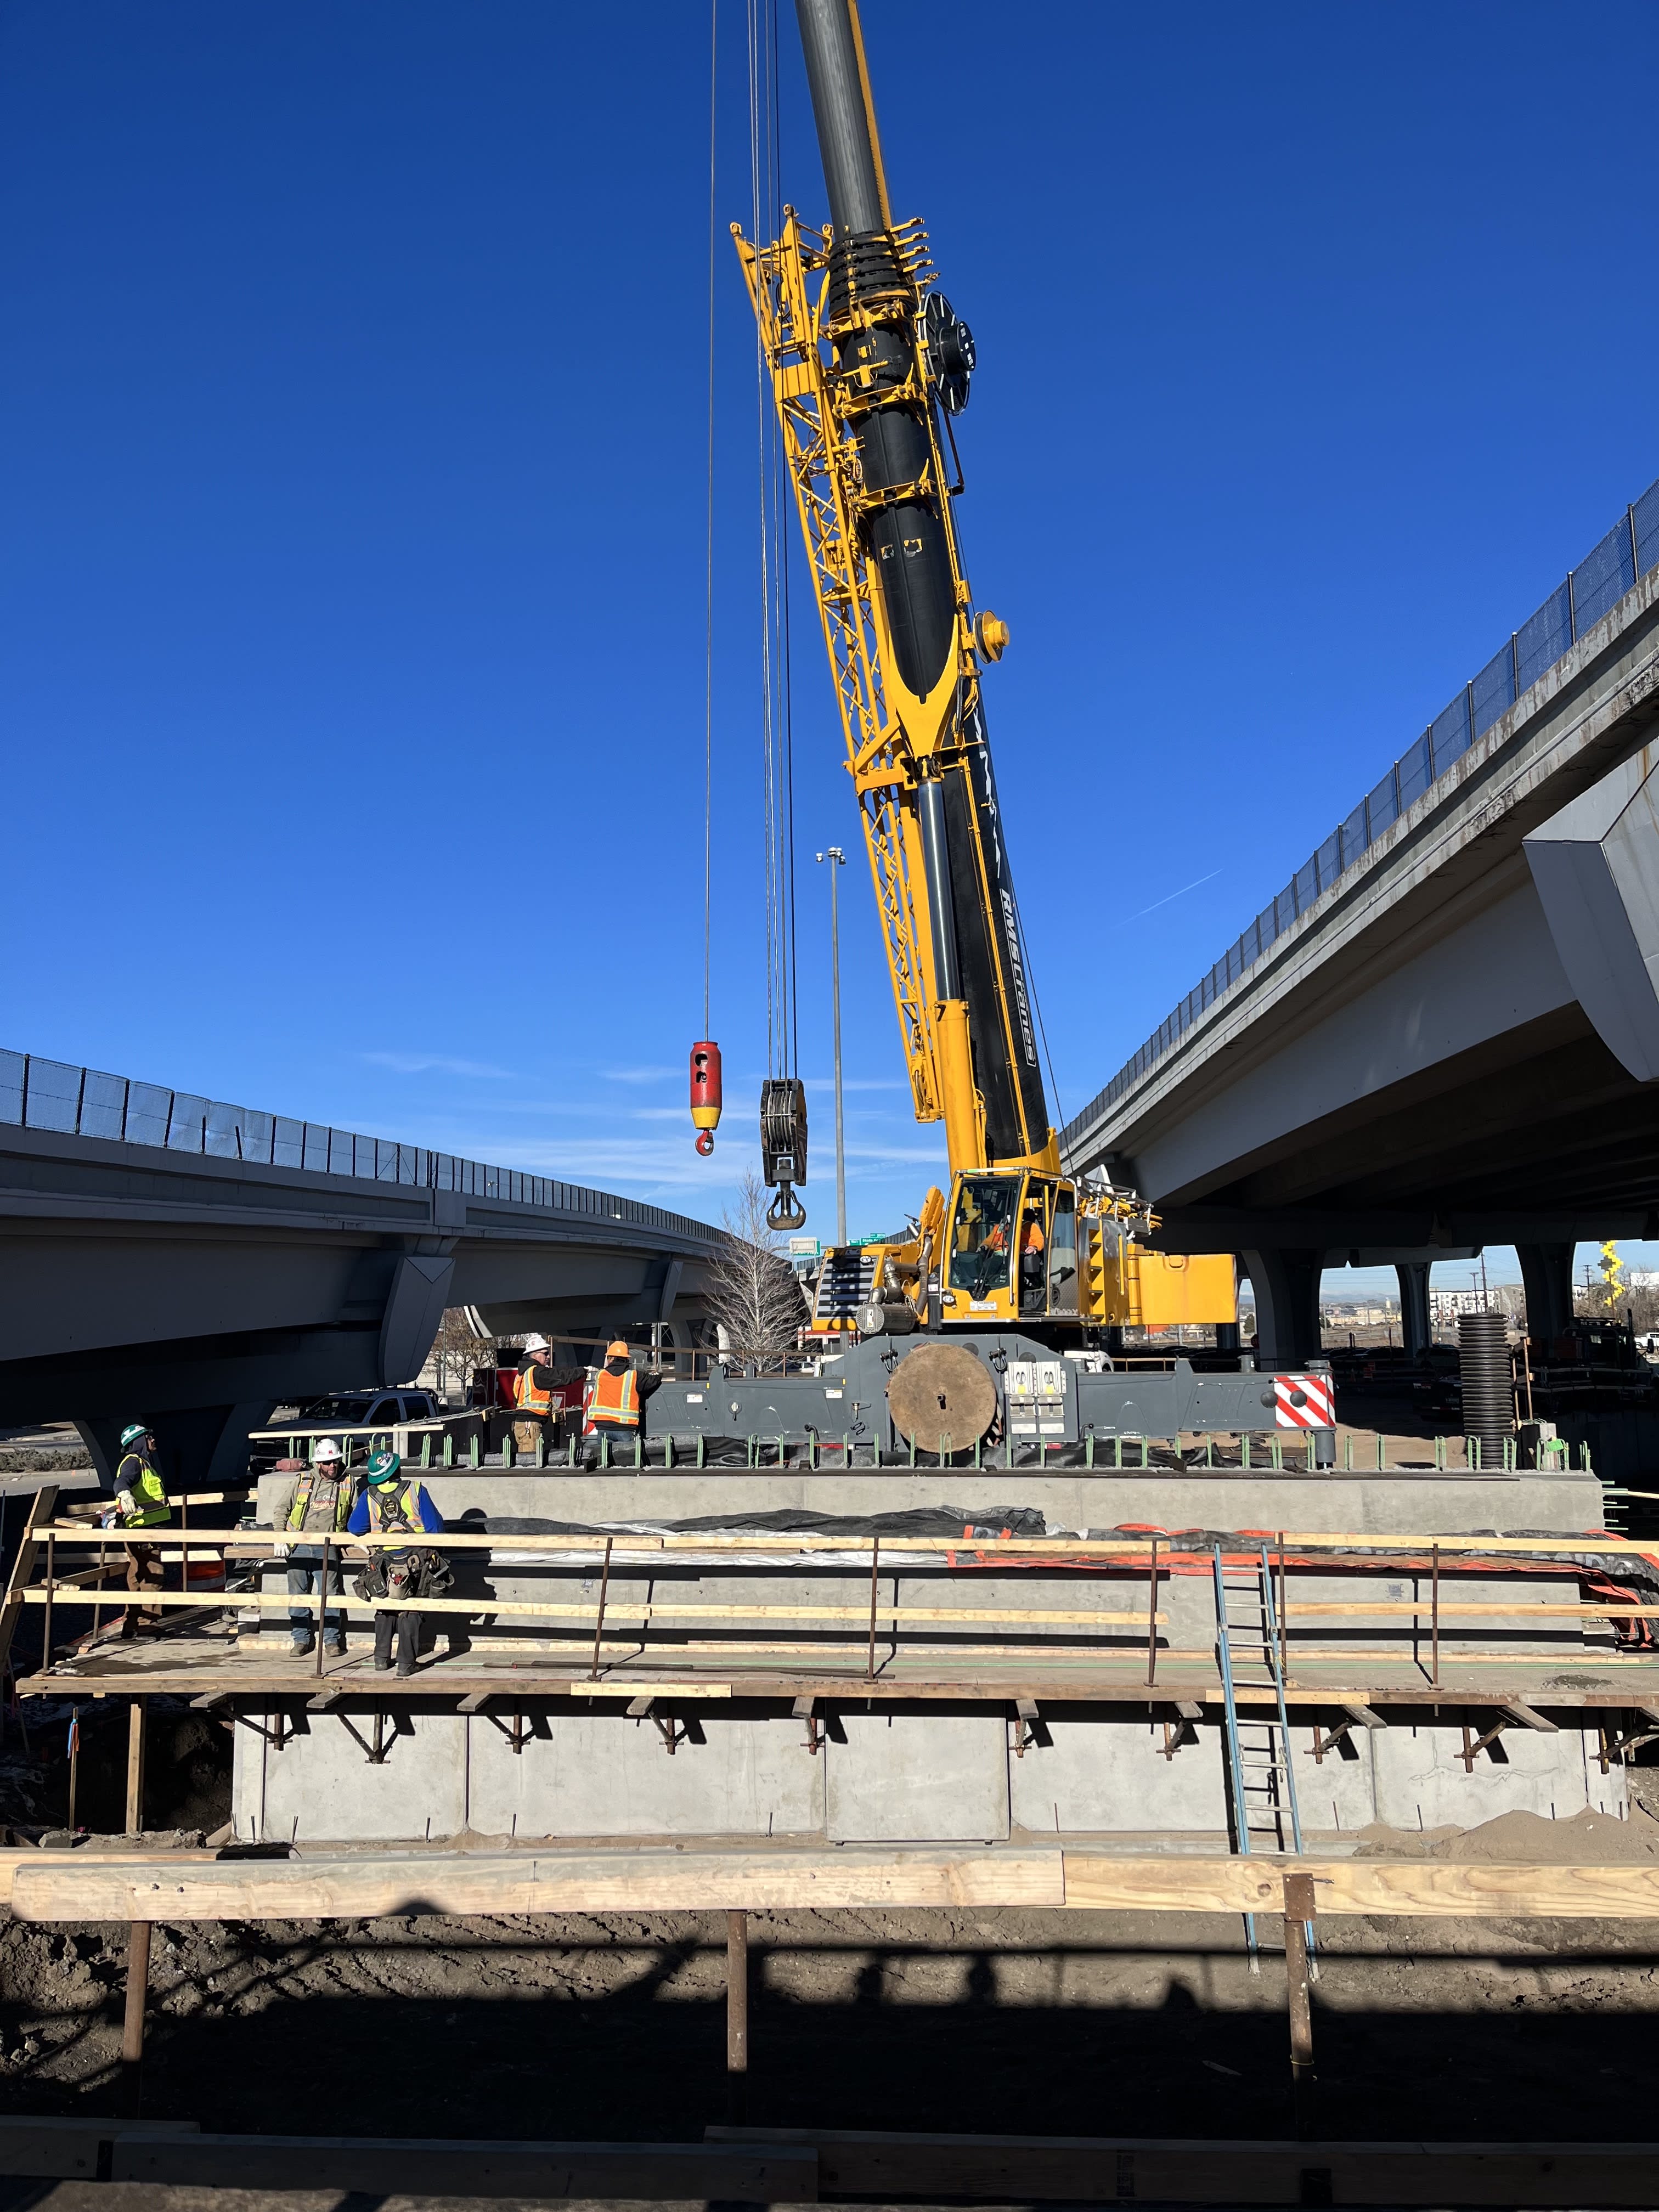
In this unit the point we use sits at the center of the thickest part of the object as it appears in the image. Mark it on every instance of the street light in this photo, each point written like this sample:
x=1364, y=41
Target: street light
x=837, y=859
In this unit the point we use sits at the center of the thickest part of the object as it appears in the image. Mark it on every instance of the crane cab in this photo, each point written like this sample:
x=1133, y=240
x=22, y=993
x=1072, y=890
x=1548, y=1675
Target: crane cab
x=1016, y=1251
x=1010, y=1250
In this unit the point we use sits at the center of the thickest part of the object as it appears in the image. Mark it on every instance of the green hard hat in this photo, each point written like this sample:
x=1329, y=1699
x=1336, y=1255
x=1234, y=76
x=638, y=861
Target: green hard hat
x=384, y=1467
x=134, y=1432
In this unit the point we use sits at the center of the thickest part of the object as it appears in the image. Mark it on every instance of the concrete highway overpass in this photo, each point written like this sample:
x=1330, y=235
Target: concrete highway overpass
x=1444, y=1033
x=167, y=1257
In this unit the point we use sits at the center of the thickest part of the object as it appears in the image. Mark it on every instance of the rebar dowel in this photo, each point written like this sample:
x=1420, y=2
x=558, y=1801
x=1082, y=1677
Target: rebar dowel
x=1434, y=1617
x=45, y=1626
x=875, y=1557
x=1151, y=1619
x=599, y=1625
x=322, y=1600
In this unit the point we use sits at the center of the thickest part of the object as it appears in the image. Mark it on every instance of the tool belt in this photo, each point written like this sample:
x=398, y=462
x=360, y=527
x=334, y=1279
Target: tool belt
x=410, y=1574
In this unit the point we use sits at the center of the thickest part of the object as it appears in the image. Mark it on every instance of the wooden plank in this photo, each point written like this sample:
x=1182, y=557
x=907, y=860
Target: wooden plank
x=1361, y=1713
x=42, y=1506
x=1422, y=1607
x=772, y=2173
x=1372, y=1544
x=452, y=1883
x=85, y=1854
x=1433, y=1888
x=1528, y=1718
x=72, y=1888
x=1082, y=2169
x=622, y=1609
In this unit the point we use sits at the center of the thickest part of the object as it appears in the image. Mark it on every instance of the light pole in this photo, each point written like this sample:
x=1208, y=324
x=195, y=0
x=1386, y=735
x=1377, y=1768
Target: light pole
x=837, y=859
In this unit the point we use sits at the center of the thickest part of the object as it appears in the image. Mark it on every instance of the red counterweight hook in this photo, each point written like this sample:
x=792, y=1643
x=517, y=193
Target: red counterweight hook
x=705, y=1099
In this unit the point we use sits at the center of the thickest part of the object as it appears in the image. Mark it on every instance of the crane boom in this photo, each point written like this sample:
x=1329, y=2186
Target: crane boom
x=869, y=363
x=861, y=366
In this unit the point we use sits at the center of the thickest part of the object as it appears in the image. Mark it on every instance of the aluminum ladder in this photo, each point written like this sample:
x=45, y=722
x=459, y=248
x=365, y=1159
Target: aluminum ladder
x=1260, y=1772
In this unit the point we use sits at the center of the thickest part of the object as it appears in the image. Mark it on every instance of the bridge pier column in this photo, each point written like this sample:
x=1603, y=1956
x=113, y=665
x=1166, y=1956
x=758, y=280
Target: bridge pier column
x=1286, y=1279
x=1547, y=1277
x=1415, y=1334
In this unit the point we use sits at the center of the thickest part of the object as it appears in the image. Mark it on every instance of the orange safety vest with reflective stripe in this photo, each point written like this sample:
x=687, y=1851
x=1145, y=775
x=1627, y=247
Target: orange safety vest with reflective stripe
x=1032, y=1240
x=532, y=1398
x=614, y=1400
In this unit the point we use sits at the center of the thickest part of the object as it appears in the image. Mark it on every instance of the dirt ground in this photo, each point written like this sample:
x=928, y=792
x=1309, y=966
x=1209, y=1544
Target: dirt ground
x=611, y=2026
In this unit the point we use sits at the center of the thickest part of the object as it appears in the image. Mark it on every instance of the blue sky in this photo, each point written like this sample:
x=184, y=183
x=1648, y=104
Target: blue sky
x=354, y=398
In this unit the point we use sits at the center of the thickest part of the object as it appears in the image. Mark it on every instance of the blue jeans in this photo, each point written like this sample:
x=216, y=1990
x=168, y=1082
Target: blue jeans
x=305, y=1569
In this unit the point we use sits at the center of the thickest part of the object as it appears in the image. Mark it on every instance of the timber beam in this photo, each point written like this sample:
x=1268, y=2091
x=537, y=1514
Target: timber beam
x=173, y=1887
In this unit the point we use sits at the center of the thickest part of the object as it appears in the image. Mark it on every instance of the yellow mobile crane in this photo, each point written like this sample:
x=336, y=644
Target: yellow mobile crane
x=869, y=365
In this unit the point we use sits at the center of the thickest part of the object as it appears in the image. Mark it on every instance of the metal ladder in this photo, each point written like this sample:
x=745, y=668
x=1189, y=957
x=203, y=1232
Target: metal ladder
x=1261, y=1772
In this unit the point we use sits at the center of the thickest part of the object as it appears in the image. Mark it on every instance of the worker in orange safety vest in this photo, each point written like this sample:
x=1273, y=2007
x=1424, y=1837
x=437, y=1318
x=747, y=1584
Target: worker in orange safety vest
x=532, y=1395
x=1031, y=1245
x=615, y=1396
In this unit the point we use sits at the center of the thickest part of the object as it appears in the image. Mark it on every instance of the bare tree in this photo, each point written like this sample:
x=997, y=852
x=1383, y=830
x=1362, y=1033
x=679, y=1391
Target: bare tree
x=456, y=1350
x=752, y=1293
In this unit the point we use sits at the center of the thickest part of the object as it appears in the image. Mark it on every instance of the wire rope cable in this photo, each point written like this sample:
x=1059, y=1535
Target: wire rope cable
x=708, y=602
x=777, y=749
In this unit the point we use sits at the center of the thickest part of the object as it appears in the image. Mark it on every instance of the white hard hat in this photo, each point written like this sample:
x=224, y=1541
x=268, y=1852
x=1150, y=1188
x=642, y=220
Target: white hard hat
x=327, y=1450
x=535, y=1343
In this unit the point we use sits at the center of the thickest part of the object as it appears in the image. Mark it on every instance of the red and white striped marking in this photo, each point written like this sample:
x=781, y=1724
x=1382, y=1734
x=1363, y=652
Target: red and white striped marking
x=1305, y=1401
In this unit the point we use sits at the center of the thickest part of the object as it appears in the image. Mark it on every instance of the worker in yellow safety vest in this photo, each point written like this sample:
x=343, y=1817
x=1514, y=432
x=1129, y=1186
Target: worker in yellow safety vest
x=141, y=1502
x=394, y=1504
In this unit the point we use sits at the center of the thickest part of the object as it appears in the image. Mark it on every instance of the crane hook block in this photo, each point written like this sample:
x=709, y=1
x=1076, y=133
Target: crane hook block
x=783, y=1147
x=705, y=1093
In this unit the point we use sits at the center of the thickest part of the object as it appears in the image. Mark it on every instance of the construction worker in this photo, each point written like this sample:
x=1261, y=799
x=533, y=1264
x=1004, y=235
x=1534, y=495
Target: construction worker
x=141, y=1502
x=1032, y=1245
x=615, y=1405
x=533, y=1394
x=318, y=1502
x=391, y=1504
